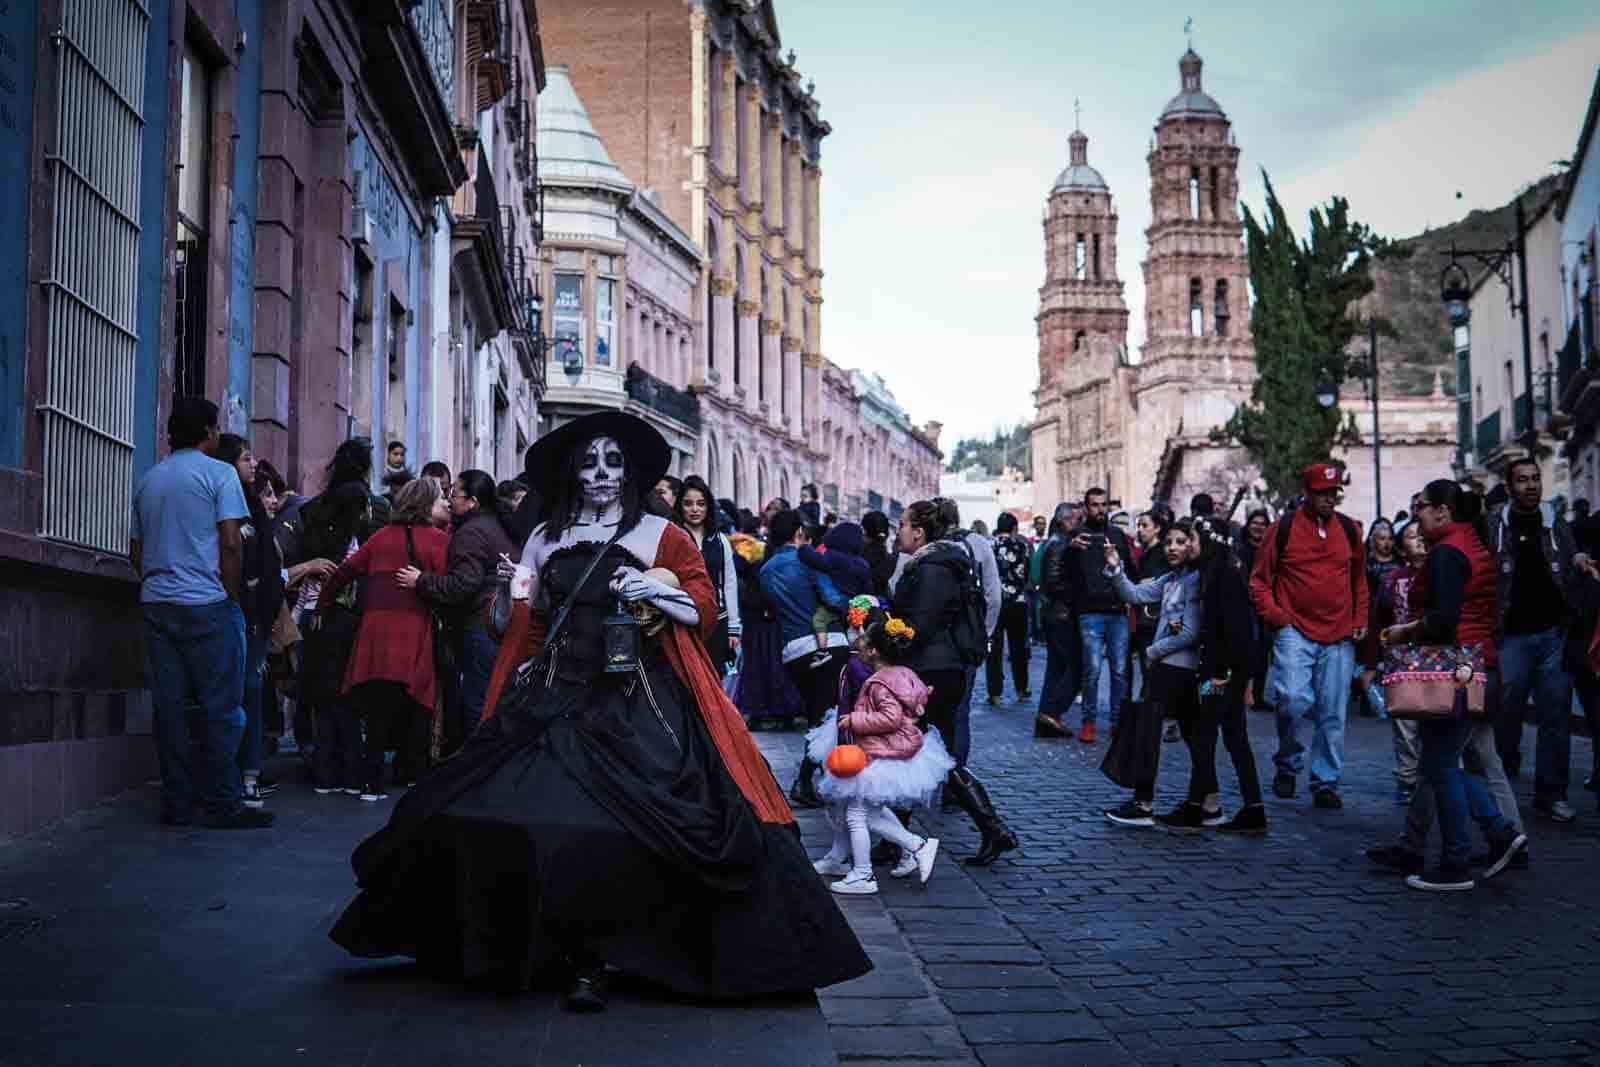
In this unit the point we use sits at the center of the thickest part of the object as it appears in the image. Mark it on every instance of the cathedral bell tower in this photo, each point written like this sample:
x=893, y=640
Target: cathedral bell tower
x=1083, y=332
x=1198, y=361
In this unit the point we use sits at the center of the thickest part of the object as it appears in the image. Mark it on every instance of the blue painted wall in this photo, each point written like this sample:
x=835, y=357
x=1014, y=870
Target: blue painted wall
x=152, y=238
x=242, y=223
x=394, y=237
x=18, y=40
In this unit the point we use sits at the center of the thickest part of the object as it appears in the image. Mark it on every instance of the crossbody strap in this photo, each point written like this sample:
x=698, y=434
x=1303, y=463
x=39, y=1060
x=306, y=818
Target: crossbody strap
x=566, y=609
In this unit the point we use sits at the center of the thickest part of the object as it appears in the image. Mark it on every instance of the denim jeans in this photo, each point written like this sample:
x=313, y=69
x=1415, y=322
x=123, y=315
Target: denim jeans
x=194, y=657
x=255, y=677
x=1479, y=758
x=1105, y=643
x=1458, y=795
x=1531, y=667
x=1063, y=667
x=478, y=652
x=1311, y=680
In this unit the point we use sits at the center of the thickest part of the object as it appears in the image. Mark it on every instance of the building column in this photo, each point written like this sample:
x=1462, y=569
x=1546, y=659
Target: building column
x=794, y=385
x=722, y=312
x=749, y=327
x=771, y=358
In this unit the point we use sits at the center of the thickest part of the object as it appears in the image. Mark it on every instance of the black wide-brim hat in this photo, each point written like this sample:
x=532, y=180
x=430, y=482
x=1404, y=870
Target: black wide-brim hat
x=648, y=455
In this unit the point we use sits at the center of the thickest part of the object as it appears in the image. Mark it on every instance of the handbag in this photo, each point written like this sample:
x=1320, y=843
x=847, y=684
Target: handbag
x=444, y=646
x=1135, y=750
x=1434, y=681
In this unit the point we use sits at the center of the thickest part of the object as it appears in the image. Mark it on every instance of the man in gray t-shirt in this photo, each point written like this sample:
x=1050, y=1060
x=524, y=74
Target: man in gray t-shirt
x=187, y=549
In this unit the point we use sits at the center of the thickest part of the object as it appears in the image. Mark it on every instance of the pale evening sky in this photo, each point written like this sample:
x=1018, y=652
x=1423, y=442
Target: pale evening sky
x=951, y=120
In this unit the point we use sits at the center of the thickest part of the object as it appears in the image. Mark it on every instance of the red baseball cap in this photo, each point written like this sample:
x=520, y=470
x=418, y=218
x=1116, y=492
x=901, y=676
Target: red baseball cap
x=1321, y=477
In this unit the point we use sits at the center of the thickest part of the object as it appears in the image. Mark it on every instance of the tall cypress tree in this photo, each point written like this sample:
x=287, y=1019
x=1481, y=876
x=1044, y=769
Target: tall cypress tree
x=1301, y=324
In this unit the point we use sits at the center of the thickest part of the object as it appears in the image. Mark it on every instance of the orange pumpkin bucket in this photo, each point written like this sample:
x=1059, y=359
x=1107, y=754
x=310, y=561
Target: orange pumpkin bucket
x=847, y=761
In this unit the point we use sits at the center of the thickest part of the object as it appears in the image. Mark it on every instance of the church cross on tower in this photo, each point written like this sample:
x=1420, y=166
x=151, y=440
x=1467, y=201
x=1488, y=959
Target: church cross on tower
x=1188, y=29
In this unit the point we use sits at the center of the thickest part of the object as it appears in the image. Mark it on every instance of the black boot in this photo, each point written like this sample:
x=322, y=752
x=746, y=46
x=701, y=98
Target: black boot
x=587, y=994
x=973, y=798
x=803, y=793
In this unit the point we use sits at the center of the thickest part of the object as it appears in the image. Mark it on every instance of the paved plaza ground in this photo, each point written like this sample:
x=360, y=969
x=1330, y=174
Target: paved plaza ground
x=123, y=943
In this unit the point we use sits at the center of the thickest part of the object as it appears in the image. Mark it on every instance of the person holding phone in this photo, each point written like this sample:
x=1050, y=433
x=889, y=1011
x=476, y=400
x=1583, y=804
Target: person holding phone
x=1102, y=617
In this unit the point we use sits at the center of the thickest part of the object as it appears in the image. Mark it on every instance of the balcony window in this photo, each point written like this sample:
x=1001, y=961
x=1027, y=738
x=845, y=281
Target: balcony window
x=568, y=310
x=605, y=323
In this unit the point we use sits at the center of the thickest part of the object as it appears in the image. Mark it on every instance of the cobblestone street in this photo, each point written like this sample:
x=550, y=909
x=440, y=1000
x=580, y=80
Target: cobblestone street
x=1101, y=945
x=122, y=942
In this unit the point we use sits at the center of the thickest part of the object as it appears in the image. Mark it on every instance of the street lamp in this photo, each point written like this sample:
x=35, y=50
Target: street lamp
x=565, y=347
x=1327, y=393
x=1455, y=290
x=1456, y=293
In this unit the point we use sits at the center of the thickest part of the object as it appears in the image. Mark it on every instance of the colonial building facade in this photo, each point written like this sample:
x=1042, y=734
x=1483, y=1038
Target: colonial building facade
x=309, y=213
x=700, y=112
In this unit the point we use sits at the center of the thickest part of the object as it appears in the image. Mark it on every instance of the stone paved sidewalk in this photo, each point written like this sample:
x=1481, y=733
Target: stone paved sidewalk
x=123, y=945
x=1100, y=945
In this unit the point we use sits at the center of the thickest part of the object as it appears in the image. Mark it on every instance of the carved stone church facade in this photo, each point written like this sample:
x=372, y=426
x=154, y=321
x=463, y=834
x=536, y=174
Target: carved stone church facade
x=1143, y=430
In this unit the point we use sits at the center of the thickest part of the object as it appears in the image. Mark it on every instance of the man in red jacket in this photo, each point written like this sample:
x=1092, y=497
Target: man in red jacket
x=1309, y=585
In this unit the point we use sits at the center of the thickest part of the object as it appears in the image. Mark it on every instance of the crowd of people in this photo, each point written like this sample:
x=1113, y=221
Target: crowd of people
x=383, y=638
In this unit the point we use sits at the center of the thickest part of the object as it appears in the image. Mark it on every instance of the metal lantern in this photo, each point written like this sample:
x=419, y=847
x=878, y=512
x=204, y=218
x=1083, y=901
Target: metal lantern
x=622, y=640
x=1327, y=393
x=1455, y=289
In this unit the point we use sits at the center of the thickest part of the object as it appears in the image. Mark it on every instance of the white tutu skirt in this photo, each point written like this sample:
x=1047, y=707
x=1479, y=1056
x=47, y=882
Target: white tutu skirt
x=899, y=783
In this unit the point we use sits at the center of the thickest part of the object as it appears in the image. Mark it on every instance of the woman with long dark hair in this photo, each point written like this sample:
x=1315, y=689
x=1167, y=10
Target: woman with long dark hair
x=930, y=598
x=263, y=596
x=479, y=539
x=1453, y=604
x=696, y=513
x=879, y=553
x=1227, y=656
x=612, y=811
x=1174, y=659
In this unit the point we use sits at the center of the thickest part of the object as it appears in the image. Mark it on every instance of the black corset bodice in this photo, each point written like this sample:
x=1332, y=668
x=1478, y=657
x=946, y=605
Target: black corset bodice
x=580, y=652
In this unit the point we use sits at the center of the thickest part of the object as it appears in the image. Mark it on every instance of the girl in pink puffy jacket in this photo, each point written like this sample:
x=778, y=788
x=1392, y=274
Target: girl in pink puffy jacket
x=905, y=766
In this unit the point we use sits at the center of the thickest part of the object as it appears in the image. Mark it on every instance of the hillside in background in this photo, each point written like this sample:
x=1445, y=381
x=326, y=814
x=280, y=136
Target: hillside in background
x=1006, y=448
x=1407, y=293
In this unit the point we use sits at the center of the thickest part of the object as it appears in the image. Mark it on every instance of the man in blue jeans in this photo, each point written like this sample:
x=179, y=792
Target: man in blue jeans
x=1309, y=584
x=1102, y=616
x=1540, y=568
x=187, y=550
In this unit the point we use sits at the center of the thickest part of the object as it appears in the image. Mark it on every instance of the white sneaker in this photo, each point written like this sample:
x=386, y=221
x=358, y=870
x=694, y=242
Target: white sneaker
x=856, y=886
x=907, y=865
x=829, y=867
x=250, y=796
x=925, y=857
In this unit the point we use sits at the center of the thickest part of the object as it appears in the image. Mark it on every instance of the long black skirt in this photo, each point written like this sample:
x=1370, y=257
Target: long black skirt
x=596, y=820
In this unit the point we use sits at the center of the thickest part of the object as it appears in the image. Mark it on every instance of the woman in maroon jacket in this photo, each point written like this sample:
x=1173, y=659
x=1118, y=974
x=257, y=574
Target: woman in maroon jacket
x=462, y=594
x=390, y=677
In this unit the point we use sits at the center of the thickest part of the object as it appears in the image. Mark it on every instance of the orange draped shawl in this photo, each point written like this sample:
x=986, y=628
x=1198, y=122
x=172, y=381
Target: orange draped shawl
x=686, y=651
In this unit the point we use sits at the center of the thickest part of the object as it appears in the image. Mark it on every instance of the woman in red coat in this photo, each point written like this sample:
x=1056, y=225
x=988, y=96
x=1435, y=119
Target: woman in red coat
x=390, y=677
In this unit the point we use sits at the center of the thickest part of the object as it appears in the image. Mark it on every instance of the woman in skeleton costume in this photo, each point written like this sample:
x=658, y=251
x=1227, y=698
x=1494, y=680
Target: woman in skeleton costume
x=611, y=813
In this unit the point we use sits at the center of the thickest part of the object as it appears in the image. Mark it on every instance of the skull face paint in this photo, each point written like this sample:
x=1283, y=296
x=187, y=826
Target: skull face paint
x=601, y=473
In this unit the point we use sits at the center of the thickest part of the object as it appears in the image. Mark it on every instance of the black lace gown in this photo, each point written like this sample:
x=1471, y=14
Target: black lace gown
x=592, y=818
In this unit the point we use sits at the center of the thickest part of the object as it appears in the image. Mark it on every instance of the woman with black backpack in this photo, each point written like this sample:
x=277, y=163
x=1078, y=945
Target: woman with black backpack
x=934, y=597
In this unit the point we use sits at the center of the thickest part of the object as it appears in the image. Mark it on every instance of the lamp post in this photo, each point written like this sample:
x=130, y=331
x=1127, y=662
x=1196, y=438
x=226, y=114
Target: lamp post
x=565, y=347
x=1456, y=292
x=1377, y=435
